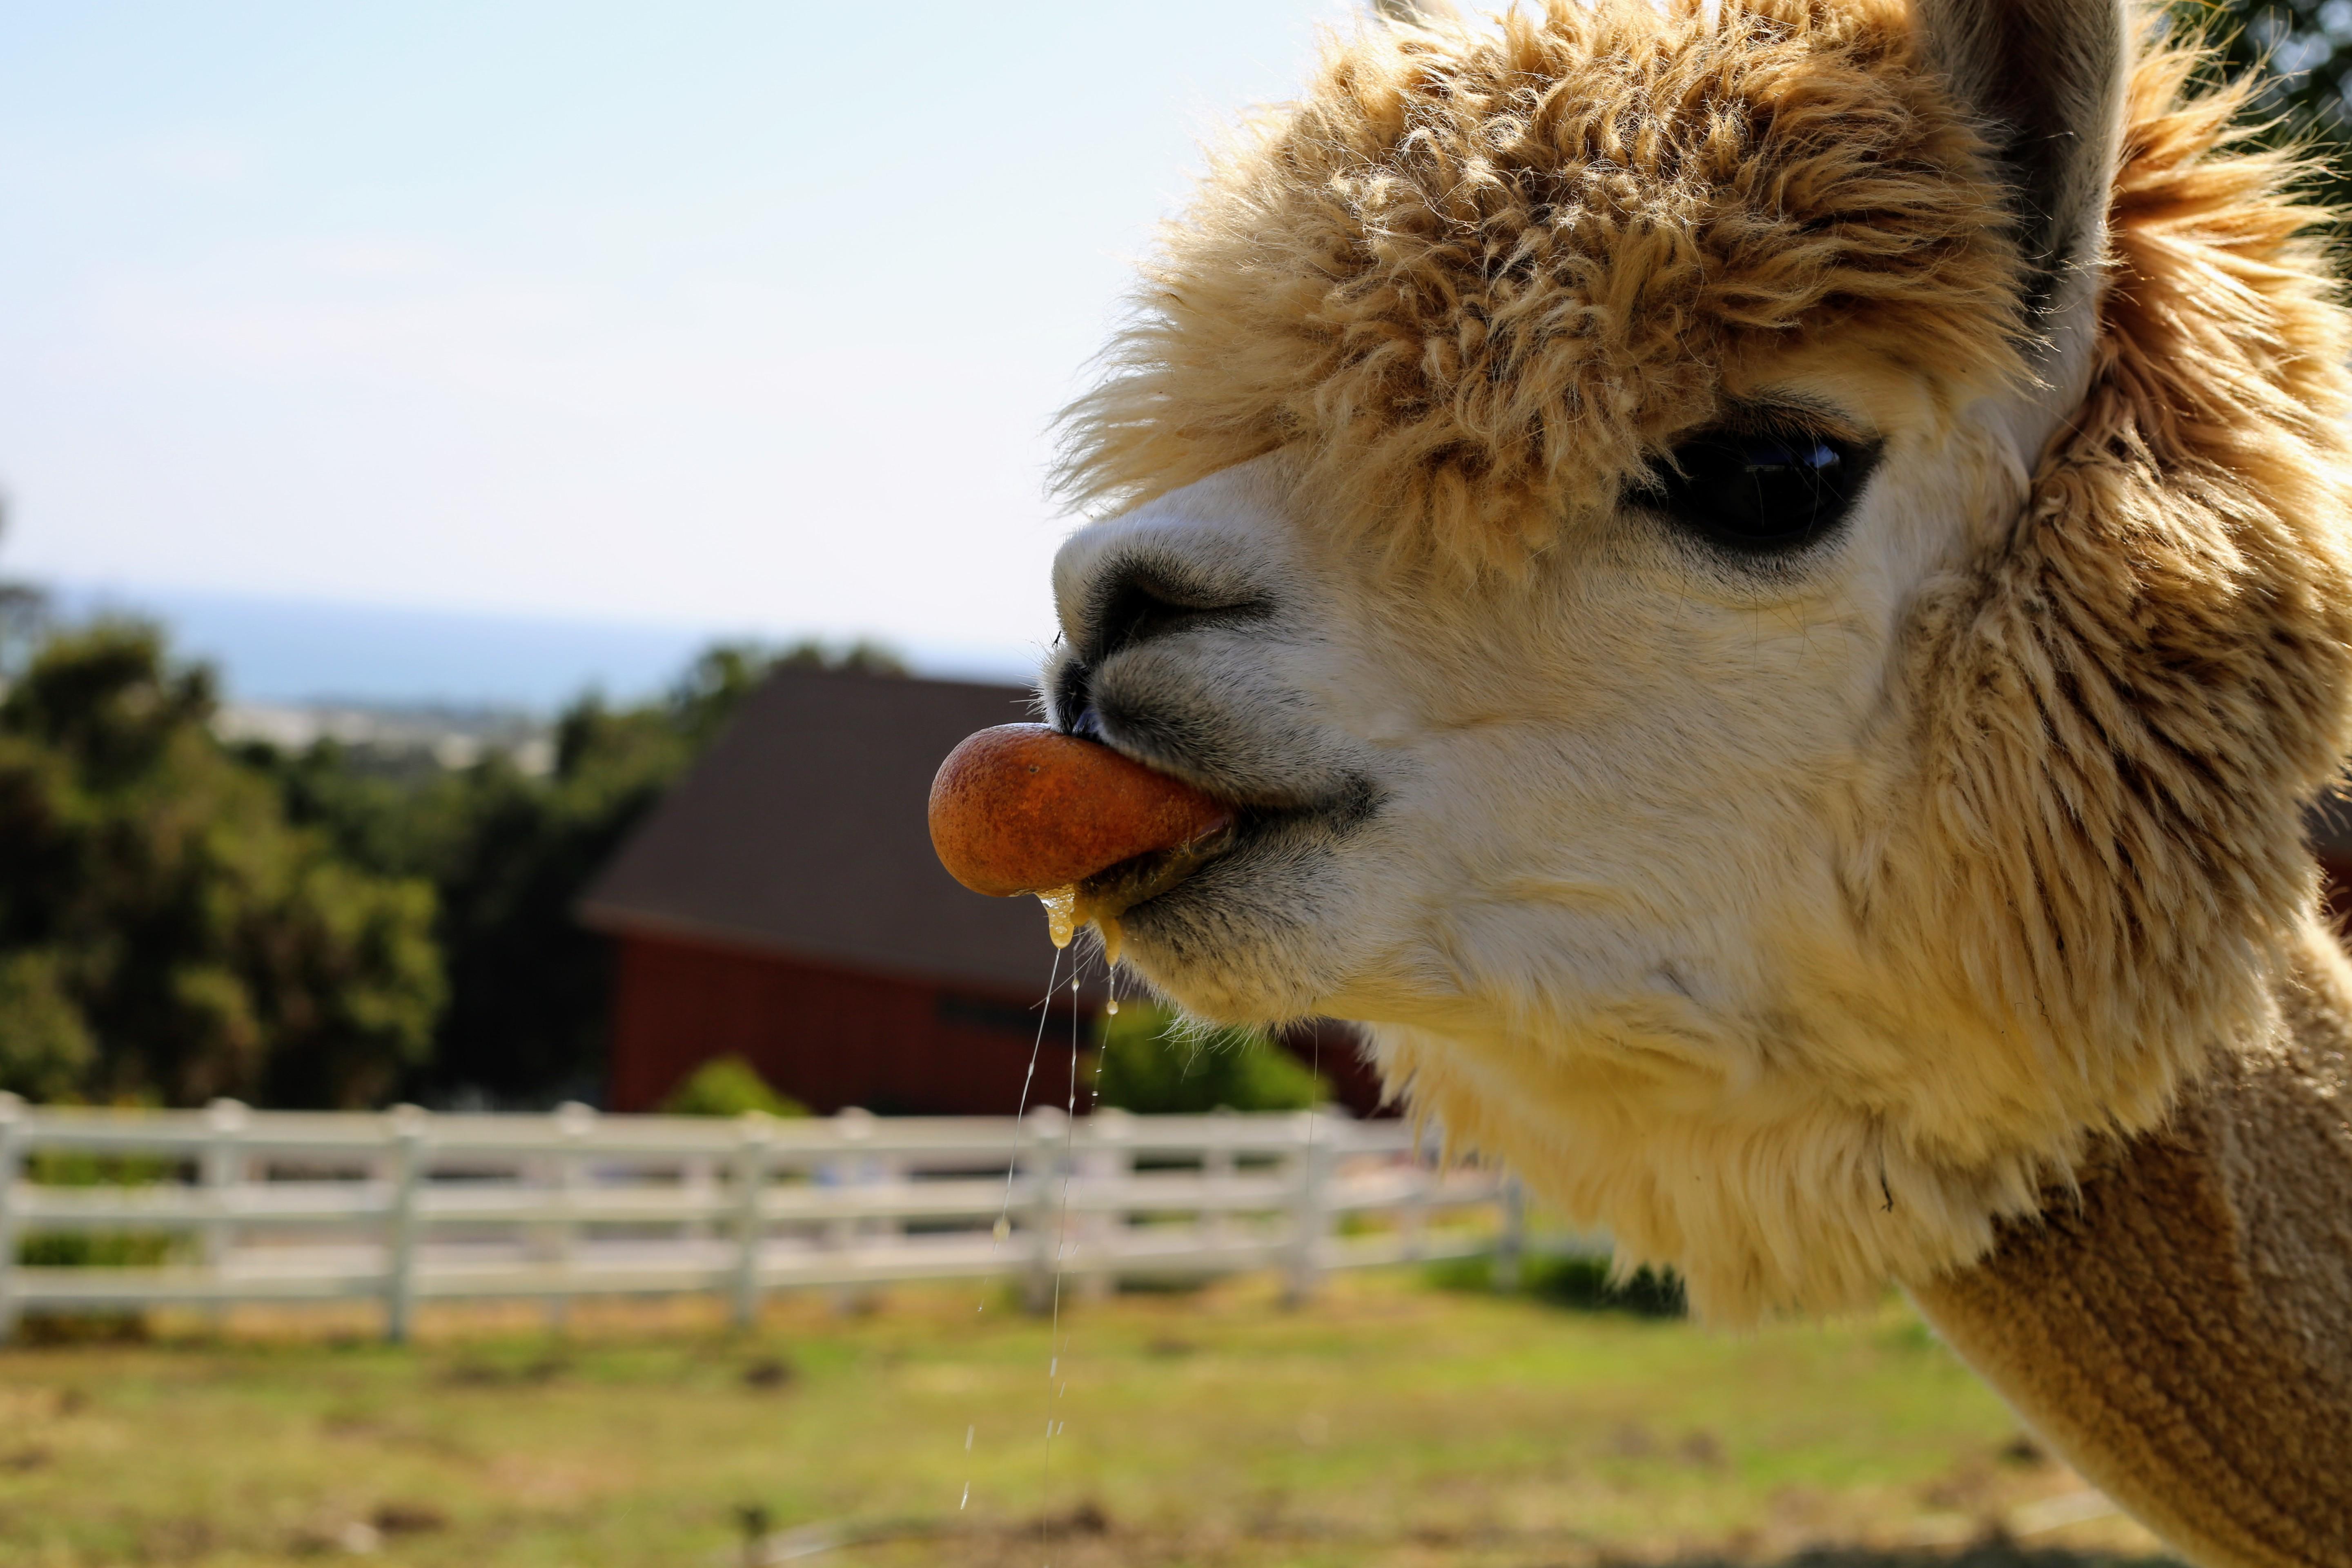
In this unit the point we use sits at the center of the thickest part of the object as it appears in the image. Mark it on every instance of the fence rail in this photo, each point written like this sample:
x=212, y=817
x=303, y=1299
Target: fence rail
x=406, y=1206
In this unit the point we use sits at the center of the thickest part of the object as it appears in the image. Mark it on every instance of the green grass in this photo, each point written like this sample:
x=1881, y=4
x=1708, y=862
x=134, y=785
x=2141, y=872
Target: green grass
x=1387, y=1423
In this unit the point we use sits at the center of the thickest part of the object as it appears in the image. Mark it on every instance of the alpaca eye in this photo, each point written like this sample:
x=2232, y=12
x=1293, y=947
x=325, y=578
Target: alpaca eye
x=1762, y=493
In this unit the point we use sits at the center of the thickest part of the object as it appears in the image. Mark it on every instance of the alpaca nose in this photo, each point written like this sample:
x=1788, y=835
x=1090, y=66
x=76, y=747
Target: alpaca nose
x=1211, y=552
x=1140, y=601
x=1132, y=600
x=1165, y=608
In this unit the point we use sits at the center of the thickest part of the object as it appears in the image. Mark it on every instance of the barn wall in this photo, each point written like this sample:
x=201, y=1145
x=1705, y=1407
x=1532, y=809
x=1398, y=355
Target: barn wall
x=832, y=1037
x=829, y=1037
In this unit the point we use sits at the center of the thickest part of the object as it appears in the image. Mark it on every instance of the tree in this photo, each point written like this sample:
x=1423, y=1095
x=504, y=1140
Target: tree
x=2300, y=54
x=164, y=932
x=24, y=615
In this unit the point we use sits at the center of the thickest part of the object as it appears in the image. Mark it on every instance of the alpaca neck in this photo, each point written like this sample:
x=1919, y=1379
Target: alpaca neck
x=2180, y=1328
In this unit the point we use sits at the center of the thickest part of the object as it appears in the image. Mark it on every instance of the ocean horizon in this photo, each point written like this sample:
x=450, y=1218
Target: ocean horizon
x=291, y=650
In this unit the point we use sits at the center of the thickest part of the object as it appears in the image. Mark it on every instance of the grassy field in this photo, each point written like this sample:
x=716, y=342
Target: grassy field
x=1387, y=1424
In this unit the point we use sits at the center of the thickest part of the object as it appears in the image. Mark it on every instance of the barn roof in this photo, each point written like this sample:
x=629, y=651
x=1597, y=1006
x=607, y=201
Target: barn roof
x=802, y=832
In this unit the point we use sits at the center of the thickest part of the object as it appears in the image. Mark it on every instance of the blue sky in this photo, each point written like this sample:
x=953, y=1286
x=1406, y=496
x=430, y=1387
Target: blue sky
x=745, y=317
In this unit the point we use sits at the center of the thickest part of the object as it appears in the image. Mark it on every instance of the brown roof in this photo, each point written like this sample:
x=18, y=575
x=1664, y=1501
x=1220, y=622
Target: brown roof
x=802, y=832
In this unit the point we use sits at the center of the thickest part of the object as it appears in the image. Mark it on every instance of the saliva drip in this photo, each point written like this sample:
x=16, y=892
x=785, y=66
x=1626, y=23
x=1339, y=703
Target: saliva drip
x=1003, y=1228
x=1065, y=912
x=1055, y=1389
x=1061, y=913
x=1067, y=909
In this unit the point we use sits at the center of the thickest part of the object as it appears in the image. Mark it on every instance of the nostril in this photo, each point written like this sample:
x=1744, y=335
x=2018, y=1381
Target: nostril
x=1135, y=614
x=1070, y=699
x=1141, y=603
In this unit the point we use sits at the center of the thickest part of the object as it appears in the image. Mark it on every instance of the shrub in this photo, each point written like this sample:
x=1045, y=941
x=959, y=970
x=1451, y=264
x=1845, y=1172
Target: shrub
x=728, y=1085
x=92, y=1250
x=1580, y=1283
x=1154, y=1062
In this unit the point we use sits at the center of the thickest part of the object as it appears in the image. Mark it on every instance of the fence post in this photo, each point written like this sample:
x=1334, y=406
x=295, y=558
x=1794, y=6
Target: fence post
x=1511, y=1246
x=852, y=1125
x=1046, y=1129
x=752, y=1135
x=1106, y=1162
x=400, y=1241
x=221, y=1170
x=11, y=1160
x=1310, y=1221
x=1413, y=1220
x=574, y=1122
x=1217, y=1171
x=697, y=1182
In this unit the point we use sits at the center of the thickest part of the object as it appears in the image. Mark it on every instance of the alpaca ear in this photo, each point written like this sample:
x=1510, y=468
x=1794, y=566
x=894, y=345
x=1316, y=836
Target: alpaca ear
x=2046, y=78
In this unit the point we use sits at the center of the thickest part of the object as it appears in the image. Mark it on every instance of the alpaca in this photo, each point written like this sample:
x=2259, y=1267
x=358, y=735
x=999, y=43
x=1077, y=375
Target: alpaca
x=1769, y=582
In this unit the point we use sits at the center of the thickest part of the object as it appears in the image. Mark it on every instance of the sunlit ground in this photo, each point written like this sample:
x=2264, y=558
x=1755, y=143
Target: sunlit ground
x=1387, y=1423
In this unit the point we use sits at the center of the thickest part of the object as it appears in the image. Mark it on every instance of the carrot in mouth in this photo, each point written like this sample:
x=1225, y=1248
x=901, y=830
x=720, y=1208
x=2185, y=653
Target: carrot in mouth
x=1024, y=808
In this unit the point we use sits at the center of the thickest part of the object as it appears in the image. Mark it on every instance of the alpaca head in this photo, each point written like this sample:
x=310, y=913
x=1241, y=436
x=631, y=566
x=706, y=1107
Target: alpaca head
x=1770, y=578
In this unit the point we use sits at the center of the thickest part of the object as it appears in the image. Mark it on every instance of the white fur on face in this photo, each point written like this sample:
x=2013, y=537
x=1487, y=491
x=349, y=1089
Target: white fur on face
x=1571, y=842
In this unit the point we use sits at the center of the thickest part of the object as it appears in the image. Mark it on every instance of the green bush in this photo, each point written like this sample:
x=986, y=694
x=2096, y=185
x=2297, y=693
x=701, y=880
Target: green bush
x=1154, y=1062
x=86, y=1250
x=95, y=1250
x=728, y=1085
x=1581, y=1284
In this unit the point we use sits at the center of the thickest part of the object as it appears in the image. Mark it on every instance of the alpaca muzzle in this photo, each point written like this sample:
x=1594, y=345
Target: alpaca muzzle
x=1025, y=808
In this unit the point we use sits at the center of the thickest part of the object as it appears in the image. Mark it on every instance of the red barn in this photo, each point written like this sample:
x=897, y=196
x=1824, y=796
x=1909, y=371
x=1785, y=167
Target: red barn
x=783, y=904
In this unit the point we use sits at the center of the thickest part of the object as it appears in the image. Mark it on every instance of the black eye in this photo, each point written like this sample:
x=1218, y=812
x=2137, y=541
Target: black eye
x=1761, y=492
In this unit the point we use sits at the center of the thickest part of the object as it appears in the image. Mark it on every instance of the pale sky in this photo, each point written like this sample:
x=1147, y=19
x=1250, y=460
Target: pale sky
x=713, y=314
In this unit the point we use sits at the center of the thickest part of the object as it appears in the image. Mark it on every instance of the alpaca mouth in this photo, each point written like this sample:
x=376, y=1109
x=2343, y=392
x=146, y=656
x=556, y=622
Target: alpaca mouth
x=1024, y=808
x=1093, y=833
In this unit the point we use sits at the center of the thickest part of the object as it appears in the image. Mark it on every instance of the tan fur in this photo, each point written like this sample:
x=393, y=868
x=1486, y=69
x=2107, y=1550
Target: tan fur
x=2178, y=1326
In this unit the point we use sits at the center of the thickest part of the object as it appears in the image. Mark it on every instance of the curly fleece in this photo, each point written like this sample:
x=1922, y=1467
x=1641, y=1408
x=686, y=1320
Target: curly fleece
x=1474, y=281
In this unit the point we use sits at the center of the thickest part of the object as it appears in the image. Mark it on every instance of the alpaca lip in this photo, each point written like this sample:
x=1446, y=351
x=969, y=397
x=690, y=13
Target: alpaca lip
x=1123, y=887
x=1111, y=893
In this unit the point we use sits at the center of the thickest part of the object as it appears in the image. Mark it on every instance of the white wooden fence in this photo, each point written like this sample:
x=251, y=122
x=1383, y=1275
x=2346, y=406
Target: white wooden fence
x=407, y=1206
